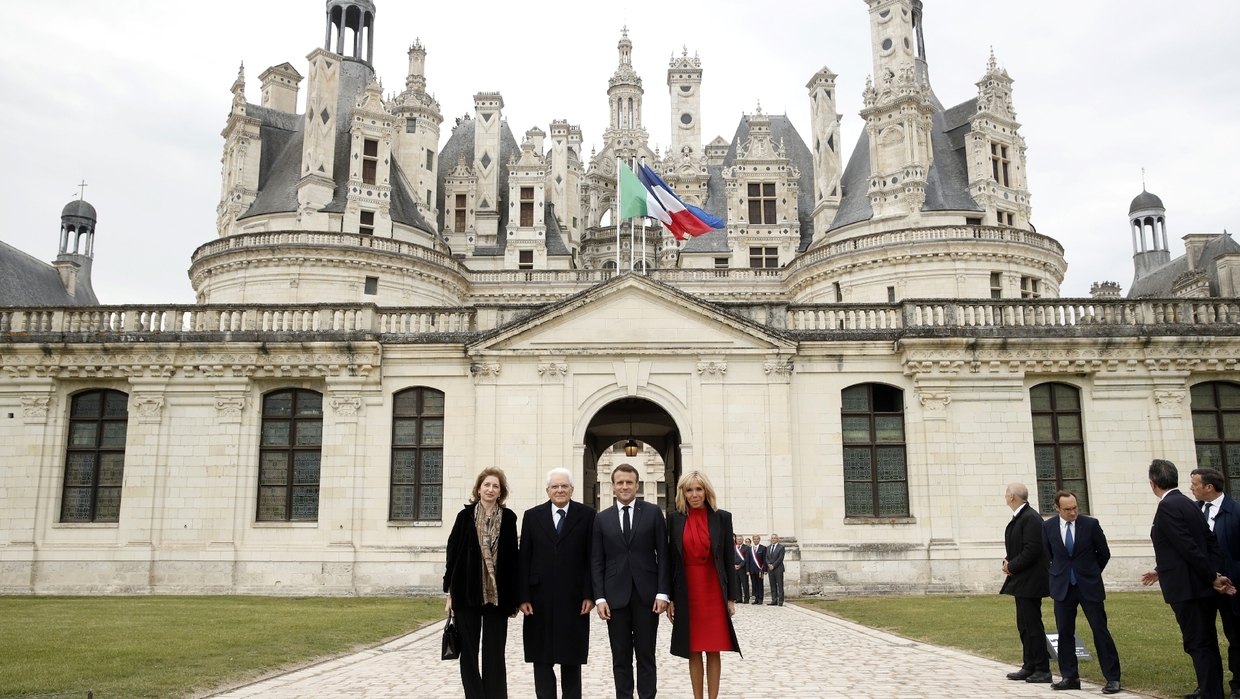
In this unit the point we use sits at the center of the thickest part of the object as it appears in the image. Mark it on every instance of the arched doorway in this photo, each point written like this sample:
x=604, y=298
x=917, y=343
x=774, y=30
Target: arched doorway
x=658, y=459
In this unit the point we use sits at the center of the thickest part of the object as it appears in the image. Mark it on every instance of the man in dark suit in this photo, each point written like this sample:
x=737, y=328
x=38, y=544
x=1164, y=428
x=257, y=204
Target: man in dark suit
x=1187, y=569
x=555, y=587
x=740, y=554
x=1222, y=514
x=1078, y=553
x=1026, y=571
x=757, y=567
x=775, y=569
x=632, y=581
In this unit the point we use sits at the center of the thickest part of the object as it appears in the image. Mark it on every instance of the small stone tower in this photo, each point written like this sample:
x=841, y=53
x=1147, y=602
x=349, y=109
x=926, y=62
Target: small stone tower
x=684, y=84
x=1148, y=220
x=77, y=249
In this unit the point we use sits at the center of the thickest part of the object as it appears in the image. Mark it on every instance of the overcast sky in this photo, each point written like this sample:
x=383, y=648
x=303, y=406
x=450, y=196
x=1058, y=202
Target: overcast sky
x=132, y=96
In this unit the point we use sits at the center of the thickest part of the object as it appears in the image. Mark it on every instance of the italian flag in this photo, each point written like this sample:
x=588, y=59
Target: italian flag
x=645, y=194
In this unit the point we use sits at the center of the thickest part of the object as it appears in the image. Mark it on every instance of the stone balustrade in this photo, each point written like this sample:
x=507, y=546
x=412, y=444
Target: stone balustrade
x=967, y=317
x=924, y=235
x=244, y=241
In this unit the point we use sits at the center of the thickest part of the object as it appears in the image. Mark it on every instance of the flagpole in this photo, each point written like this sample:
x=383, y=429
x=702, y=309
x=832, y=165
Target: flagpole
x=644, y=263
x=632, y=242
x=618, y=204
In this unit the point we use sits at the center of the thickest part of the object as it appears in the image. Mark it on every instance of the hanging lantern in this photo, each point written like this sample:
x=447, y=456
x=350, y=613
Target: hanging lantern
x=630, y=448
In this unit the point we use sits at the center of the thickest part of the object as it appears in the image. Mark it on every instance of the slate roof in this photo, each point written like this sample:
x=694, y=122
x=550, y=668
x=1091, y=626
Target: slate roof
x=79, y=208
x=555, y=236
x=1158, y=283
x=1145, y=200
x=28, y=281
x=716, y=203
x=461, y=143
x=947, y=182
x=279, y=170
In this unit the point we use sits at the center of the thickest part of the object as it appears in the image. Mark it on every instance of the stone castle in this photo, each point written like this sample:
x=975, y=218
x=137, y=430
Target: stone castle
x=862, y=359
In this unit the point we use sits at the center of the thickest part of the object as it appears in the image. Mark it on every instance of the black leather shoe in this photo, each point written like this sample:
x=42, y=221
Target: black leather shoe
x=772, y=604
x=1065, y=683
x=1020, y=675
x=1112, y=687
x=1043, y=677
x=1195, y=694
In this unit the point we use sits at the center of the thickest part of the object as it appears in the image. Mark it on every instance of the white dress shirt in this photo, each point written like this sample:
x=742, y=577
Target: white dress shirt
x=1214, y=505
x=1017, y=510
x=1064, y=525
x=555, y=516
x=620, y=515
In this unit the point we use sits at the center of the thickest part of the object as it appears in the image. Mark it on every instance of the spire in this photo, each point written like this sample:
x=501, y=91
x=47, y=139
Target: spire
x=238, y=91
x=626, y=48
x=992, y=64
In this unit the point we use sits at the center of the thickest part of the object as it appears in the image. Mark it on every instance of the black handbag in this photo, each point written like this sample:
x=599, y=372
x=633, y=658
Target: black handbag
x=451, y=643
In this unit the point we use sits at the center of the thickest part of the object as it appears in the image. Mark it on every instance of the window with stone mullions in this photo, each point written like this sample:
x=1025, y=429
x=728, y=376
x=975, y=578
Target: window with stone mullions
x=1216, y=430
x=290, y=453
x=417, y=455
x=527, y=207
x=1000, y=163
x=1058, y=444
x=762, y=203
x=875, y=467
x=370, y=161
x=95, y=458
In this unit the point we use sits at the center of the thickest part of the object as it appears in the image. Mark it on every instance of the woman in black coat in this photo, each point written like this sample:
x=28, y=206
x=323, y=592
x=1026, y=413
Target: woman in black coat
x=480, y=580
x=700, y=535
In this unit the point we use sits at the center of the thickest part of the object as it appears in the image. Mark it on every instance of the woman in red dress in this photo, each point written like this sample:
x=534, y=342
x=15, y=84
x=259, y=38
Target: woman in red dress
x=704, y=581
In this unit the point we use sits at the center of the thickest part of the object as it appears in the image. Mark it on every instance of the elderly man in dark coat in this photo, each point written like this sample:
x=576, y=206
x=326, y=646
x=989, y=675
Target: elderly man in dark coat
x=1028, y=580
x=555, y=588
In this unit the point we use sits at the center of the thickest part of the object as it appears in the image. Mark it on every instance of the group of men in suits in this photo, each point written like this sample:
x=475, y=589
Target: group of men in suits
x=574, y=560
x=756, y=563
x=1197, y=555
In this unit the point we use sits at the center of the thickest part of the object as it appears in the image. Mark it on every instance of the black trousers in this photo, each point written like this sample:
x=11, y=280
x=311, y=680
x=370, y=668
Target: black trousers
x=633, y=630
x=1196, y=620
x=1104, y=645
x=488, y=625
x=744, y=585
x=777, y=586
x=544, y=681
x=755, y=582
x=1032, y=634
x=1231, y=629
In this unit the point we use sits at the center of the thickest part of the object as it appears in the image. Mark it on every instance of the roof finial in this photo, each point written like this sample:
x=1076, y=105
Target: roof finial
x=992, y=64
x=759, y=107
x=685, y=49
x=82, y=191
x=1142, y=179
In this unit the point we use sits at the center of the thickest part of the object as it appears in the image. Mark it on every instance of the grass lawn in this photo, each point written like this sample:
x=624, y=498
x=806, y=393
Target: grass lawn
x=1151, y=654
x=174, y=646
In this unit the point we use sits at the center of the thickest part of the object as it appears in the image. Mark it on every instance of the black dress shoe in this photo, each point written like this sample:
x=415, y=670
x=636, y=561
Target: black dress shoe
x=772, y=604
x=1065, y=683
x=1112, y=687
x=781, y=604
x=1020, y=675
x=1043, y=677
x=1195, y=694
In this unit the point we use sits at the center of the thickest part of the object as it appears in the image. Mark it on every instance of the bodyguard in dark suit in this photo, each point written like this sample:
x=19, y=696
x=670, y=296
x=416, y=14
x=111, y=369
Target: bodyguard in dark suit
x=1026, y=571
x=555, y=587
x=1187, y=569
x=1078, y=553
x=632, y=581
x=740, y=562
x=1222, y=514
x=756, y=564
x=775, y=570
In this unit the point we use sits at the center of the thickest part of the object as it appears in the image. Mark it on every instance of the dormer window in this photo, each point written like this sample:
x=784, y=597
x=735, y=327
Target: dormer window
x=525, y=259
x=762, y=203
x=370, y=161
x=527, y=207
x=366, y=223
x=459, y=226
x=1000, y=163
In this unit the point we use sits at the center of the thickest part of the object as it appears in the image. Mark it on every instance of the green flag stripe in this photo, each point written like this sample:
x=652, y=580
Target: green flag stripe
x=632, y=194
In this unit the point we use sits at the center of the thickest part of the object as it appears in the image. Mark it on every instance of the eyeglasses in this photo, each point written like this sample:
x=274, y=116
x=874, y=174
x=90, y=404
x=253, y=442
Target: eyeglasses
x=559, y=487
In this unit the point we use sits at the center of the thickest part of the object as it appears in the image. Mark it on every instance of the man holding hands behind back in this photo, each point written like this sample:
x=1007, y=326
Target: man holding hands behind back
x=1026, y=571
x=1078, y=553
x=632, y=581
x=555, y=587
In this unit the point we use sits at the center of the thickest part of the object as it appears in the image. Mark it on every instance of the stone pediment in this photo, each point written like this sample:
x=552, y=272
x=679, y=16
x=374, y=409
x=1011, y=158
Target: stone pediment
x=631, y=314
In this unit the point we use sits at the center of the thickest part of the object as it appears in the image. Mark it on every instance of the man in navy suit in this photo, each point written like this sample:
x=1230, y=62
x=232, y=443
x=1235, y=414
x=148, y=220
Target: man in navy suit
x=1222, y=513
x=1187, y=569
x=632, y=581
x=757, y=567
x=1078, y=553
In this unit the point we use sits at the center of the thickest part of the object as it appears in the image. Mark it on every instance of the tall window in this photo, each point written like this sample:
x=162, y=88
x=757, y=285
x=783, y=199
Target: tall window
x=527, y=207
x=1216, y=429
x=289, y=456
x=875, y=471
x=1058, y=444
x=430, y=159
x=366, y=223
x=411, y=125
x=760, y=258
x=95, y=462
x=417, y=455
x=1000, y=163
x=762, y=202
x=370, y=161
x=1005, y=218
x=460, y=213
x=996, y=285
x=1030, y=288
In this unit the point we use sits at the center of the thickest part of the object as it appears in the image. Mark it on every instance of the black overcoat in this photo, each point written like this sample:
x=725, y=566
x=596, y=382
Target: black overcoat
x=1186, y=552
x=554, y=578
x=722, y=546
x=1026, y=556
x=463, y=569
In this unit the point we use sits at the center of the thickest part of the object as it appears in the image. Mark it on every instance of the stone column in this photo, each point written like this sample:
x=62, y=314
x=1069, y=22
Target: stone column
x=30, y=499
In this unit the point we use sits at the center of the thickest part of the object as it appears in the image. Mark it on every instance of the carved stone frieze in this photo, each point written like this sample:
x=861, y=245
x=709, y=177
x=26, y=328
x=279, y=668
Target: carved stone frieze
x=712, y=369
x=346, y=406
x=778, y=370
x=553, y=372
x=148, y=408
x=36, y=408
x=229, y=408
x=485, y=373
x=934, y=403
x=1170, y=402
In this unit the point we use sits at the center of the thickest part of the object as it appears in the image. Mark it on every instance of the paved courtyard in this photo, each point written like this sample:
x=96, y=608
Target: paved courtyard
x=789, y=652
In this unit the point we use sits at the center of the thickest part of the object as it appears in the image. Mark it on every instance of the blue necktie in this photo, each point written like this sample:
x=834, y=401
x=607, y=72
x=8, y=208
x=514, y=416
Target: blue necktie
x=1070, y=544
x=559, y=526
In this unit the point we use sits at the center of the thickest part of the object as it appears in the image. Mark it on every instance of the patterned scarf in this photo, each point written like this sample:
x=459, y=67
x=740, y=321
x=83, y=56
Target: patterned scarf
x=488, y=539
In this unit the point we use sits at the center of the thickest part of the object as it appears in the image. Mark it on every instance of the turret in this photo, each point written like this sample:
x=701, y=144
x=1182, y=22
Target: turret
x=417, y=141
x=352, y=24
x=488, y=121
x=1148, y=220
x=825, y=132
x=77, y=249
x=684, y=83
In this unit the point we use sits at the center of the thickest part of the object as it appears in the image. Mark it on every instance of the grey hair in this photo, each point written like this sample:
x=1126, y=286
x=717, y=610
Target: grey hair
x=559, y=472
x=1019, y=490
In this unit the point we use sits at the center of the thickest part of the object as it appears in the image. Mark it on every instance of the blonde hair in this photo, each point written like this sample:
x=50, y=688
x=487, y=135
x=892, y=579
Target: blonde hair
x=682, y=504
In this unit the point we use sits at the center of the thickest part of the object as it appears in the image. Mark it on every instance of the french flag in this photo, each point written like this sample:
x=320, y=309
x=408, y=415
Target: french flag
x=678, y=217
